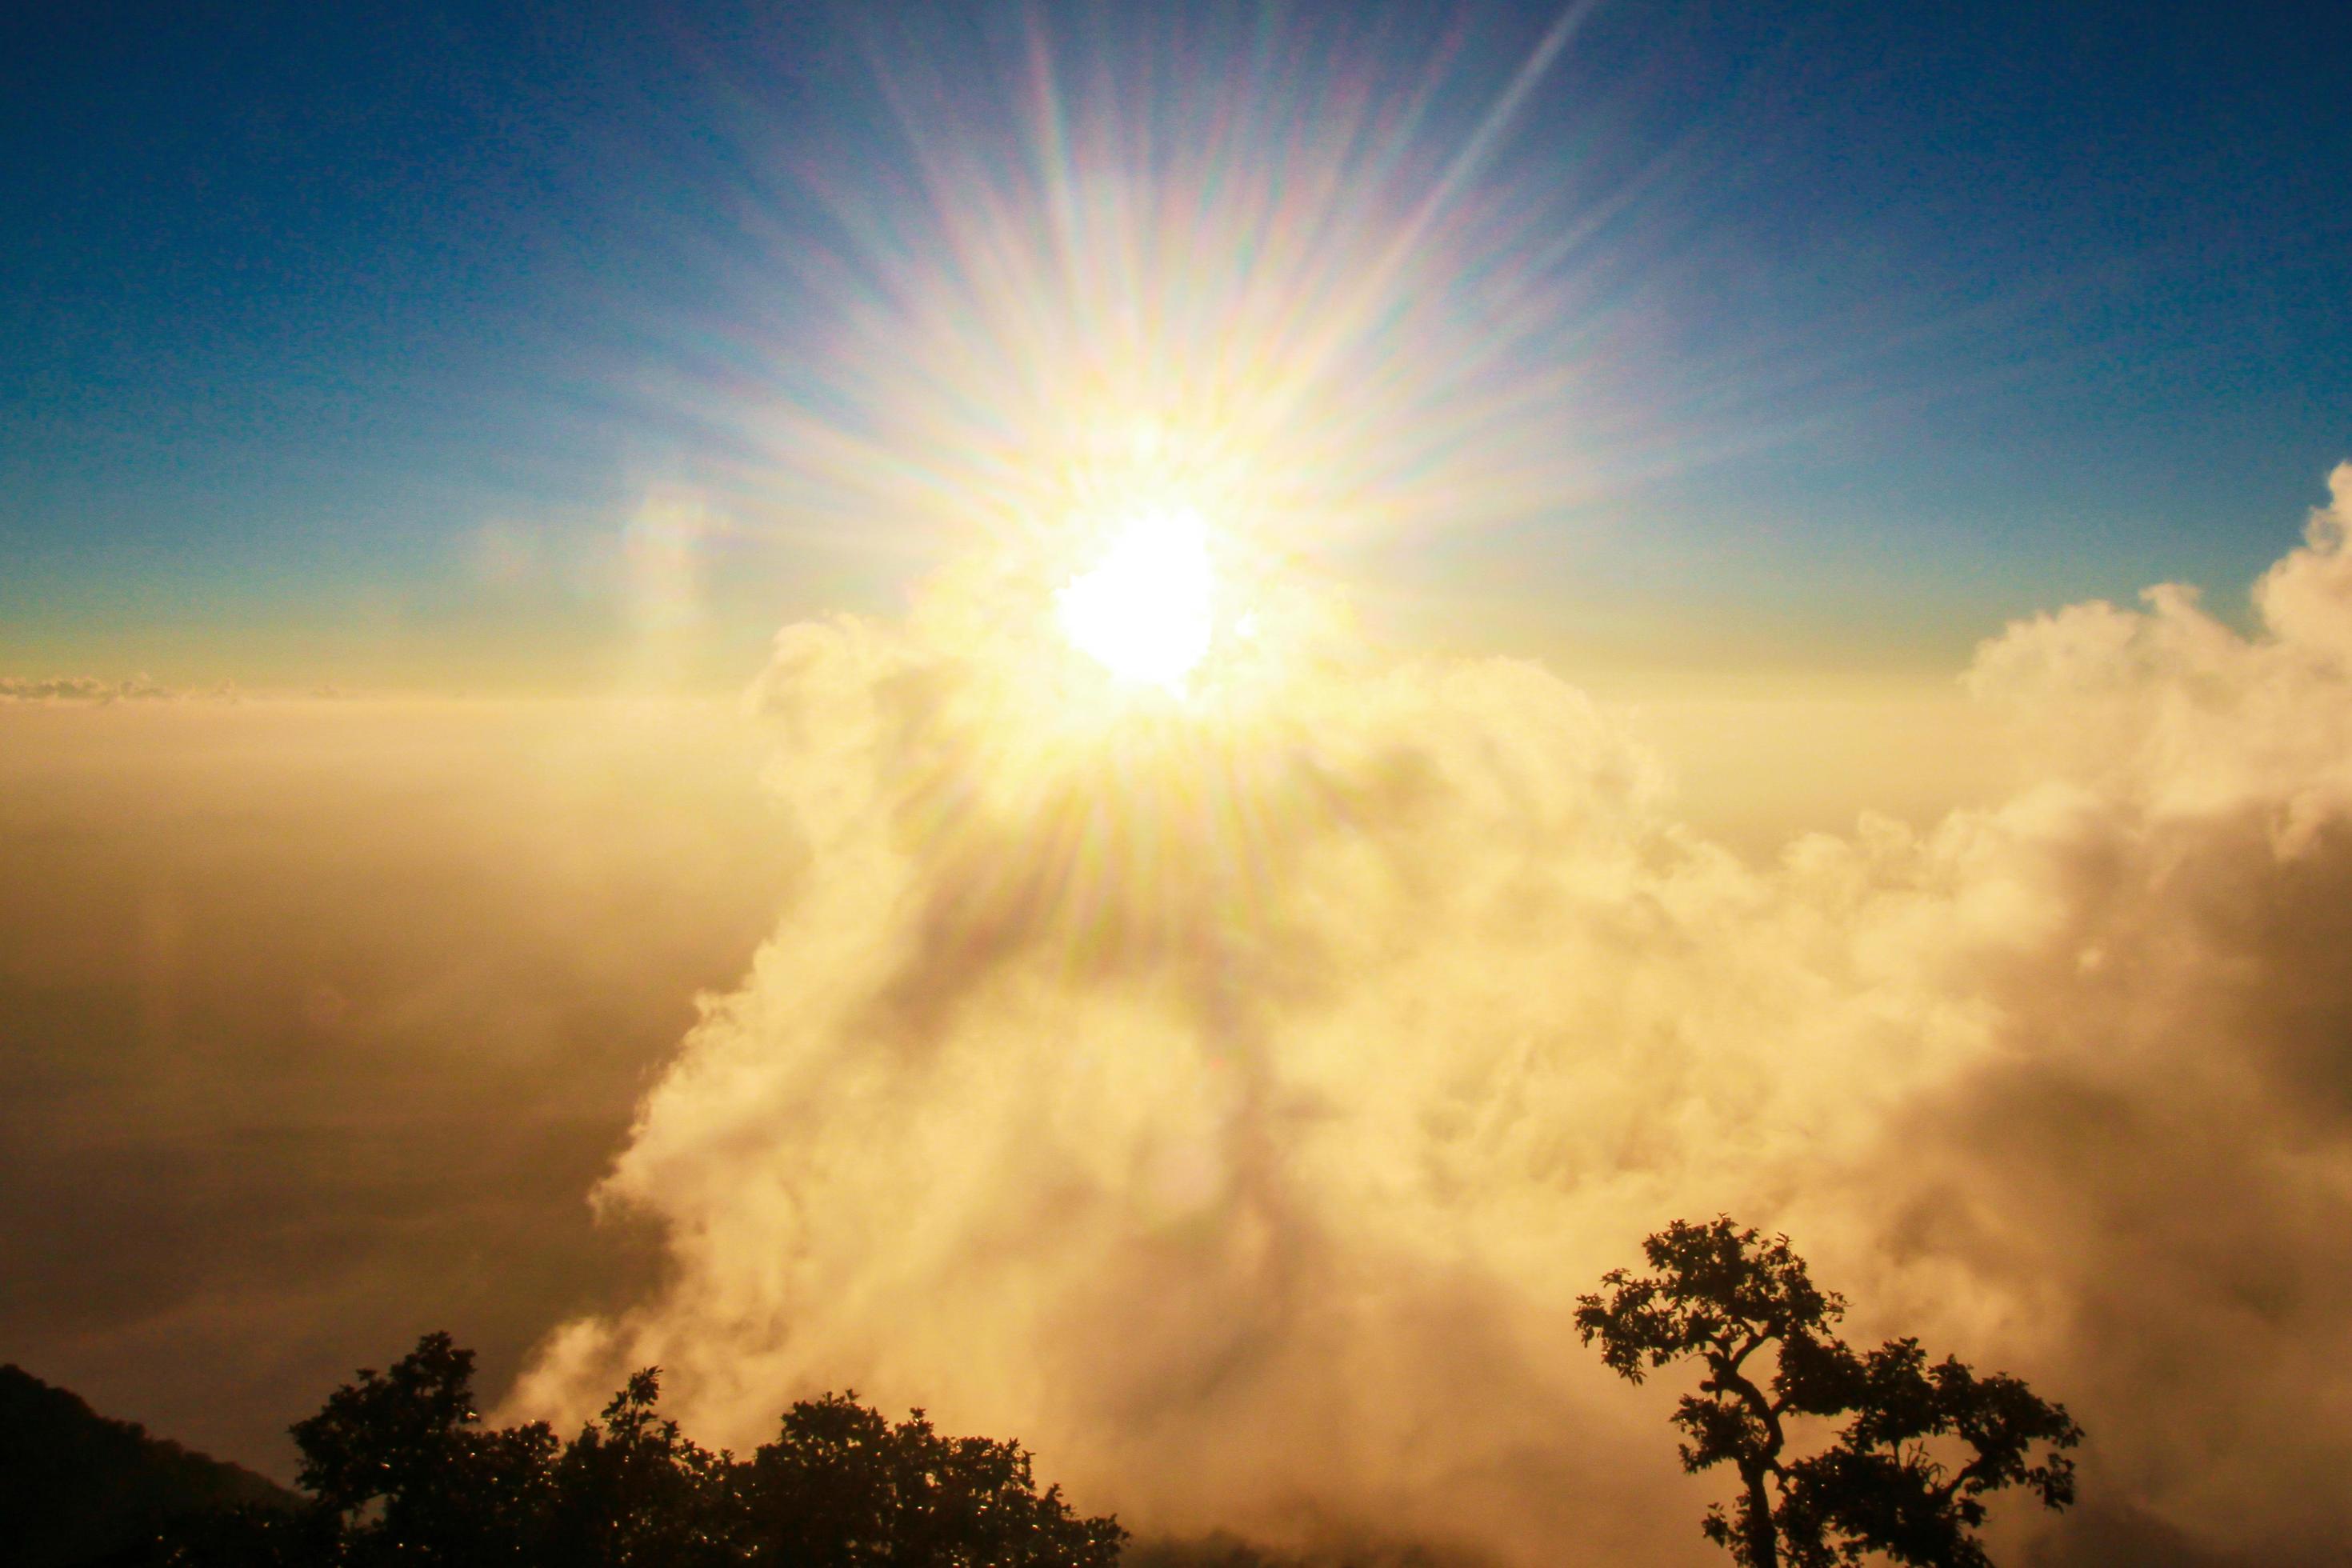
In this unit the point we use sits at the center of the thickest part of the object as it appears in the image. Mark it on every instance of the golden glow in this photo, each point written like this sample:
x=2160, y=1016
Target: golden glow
x=1300, y=311
x=1145, y=611
x=1140, y=409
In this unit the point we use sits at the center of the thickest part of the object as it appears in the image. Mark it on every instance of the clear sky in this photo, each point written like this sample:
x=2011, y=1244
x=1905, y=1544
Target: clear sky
x=390, y=345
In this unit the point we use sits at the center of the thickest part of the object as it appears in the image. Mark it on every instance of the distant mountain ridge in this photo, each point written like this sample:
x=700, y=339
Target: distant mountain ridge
x=79, y=1489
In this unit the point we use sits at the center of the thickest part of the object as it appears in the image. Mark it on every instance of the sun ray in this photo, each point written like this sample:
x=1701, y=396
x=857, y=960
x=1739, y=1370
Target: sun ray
x=1303, y=270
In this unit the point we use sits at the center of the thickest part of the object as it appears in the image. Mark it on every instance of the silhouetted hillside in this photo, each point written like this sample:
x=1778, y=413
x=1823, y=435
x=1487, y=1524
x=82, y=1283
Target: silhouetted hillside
x=77, y=1488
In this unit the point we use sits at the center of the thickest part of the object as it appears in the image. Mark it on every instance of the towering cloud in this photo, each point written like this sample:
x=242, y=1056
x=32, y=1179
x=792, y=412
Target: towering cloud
x=1231, y=1106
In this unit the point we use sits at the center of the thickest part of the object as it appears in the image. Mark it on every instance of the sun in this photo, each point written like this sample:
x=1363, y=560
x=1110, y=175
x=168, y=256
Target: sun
x=1145, y=609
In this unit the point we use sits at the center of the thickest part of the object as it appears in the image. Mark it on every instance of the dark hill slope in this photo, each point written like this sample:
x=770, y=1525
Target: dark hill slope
x=75, y=1488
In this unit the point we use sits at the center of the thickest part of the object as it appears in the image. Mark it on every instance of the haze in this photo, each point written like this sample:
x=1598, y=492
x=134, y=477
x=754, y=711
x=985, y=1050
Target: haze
x=1141, y=724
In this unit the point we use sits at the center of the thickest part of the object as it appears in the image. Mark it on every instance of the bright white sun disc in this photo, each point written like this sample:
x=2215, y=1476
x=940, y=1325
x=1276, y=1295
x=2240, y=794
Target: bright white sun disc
x=1145, y=610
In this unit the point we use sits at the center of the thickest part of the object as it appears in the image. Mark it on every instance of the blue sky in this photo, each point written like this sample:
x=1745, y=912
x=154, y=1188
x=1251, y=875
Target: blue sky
x=1932, y=315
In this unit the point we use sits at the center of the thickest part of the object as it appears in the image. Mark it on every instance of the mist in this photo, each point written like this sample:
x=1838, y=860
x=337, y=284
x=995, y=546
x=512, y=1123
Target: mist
x=316, y=1017
x=331, y=1009
x=1238, y=1128
x=1231, y=1111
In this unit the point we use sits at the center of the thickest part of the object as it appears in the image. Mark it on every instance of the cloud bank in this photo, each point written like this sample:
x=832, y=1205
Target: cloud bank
x=1238, y=1125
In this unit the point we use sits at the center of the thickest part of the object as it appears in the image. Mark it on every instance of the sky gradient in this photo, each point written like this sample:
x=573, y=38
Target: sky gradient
x=350, y=346
x=811, y=695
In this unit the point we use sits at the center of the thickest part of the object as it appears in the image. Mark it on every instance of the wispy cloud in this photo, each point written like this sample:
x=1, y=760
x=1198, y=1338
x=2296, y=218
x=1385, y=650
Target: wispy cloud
x=82, y=688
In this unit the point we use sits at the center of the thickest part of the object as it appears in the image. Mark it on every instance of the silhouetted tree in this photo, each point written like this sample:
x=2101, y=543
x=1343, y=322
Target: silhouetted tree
x=250, y=1536
x=1893, y=1480
x=842, y=1488
x=633, y=1492
x=401, y=1472
x=401, y=1458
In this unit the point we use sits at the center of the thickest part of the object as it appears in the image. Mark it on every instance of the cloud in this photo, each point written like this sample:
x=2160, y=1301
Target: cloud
x=81, y=689
x=1238, y=1126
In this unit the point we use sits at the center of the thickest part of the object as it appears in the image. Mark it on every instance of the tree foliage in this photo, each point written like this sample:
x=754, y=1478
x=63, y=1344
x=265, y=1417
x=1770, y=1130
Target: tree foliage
x=400, y=1471
x=1906, y=1473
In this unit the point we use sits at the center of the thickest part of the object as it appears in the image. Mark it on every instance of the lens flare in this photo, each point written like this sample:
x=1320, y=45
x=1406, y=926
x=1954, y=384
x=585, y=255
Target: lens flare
x=1295, y=283
x=1146, y=612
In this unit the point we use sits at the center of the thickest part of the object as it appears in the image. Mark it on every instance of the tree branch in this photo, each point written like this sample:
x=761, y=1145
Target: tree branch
x=1728, y=1378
